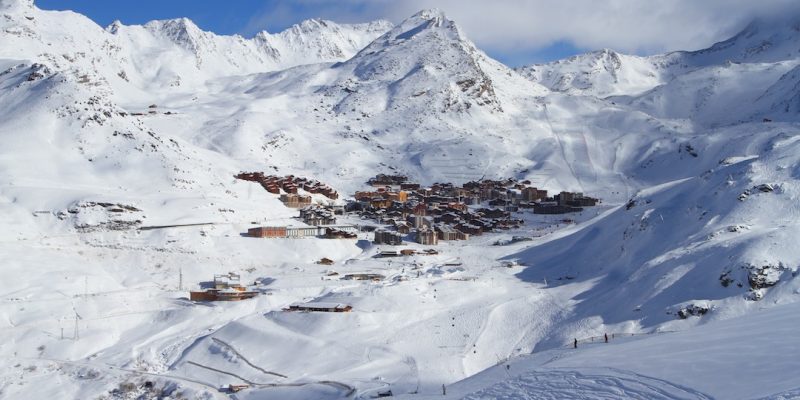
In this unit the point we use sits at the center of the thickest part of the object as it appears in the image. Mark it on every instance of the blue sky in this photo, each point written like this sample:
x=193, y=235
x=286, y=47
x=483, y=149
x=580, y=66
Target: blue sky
x=516, y=32
x=242, y=17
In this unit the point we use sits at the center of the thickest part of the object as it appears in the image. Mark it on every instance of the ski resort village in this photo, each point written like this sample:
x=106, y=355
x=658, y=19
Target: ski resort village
x=384, y=210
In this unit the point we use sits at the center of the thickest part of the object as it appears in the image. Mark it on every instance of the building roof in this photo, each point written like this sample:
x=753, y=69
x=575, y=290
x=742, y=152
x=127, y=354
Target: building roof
x=319, y=304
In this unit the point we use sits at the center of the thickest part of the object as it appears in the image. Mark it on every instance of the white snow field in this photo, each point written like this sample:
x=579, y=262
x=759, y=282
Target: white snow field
x=104, y=131
x=753, y=357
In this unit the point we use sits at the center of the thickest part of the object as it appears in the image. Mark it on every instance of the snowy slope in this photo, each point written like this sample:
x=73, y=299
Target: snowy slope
x=723, y=360
x=608, y=73
x=170, y=53
x=106, y=130
x=602, y=73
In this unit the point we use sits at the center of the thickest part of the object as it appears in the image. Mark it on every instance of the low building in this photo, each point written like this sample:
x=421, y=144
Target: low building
x=293, y=200
x=402, y=227
x=226, y=287
x=268, y=232
x=333, y=233
x=319, y=307
x=364, y=277
x=574, y=199
x=304, y=231
x=328, y=231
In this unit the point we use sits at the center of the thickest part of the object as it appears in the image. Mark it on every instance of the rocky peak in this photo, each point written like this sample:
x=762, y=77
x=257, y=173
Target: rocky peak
x=181, y=31
x=114, y=27
x=764, y=39
x=20, y=5
x=429, y=64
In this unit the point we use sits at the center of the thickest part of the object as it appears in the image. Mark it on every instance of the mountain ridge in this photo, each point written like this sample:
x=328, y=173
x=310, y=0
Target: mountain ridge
x=697, y=175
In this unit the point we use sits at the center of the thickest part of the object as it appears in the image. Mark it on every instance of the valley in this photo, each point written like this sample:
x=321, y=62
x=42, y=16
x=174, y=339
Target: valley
x=128, y=162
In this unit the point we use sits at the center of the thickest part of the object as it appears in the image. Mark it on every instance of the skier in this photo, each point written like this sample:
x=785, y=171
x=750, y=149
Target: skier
x=606, y=336
x=575, y=343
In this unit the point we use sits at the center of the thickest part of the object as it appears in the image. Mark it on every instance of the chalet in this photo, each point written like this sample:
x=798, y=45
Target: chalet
x=387, y=180
x=448, y=218
x=226, y=287
x=295, y=200
x=401, y=196
x=380, y=202
x=325, y=261
x=402, y=227
x=316, y=216
x=493, y=213
x=469, y=229
x=333, y=233
x=457, y=206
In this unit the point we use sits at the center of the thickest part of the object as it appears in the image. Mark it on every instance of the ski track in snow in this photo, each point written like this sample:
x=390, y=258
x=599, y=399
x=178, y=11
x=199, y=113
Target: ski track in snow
x=586, y=384
x=697, y=172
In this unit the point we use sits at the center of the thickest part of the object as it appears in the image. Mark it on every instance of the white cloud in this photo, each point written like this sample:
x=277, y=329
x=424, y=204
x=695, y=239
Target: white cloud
x=519, y=26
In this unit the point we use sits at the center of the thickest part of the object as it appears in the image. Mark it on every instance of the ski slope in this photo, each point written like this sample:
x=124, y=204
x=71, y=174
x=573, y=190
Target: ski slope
x=106, y=130
x=722, y=360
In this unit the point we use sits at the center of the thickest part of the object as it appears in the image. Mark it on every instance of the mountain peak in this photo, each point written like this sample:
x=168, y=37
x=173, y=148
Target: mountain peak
x=764, y=39
x=425, y=21
x=114, y=27
x=16, y=4
x=181, y=31
x=184, y=24
x=429, y=65
x=430, y=14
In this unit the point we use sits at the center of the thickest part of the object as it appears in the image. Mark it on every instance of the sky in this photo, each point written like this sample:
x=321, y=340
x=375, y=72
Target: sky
x=516, y=32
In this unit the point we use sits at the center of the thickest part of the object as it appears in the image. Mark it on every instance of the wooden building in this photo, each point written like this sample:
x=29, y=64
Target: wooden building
x=268, y=232
x=227, y=287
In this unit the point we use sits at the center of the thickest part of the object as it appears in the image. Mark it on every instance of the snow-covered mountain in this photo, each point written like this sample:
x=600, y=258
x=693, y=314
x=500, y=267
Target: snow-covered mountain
x=175, y=52
x=607, y=73
x=601, y=73
x=694, y=155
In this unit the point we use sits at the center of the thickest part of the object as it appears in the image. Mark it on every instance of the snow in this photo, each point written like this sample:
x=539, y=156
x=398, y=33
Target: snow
x=695, y=232
x=721, y=360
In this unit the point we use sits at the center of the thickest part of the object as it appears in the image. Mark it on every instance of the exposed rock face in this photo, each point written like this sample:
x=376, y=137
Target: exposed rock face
x=693, y=310
x=756, y=278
